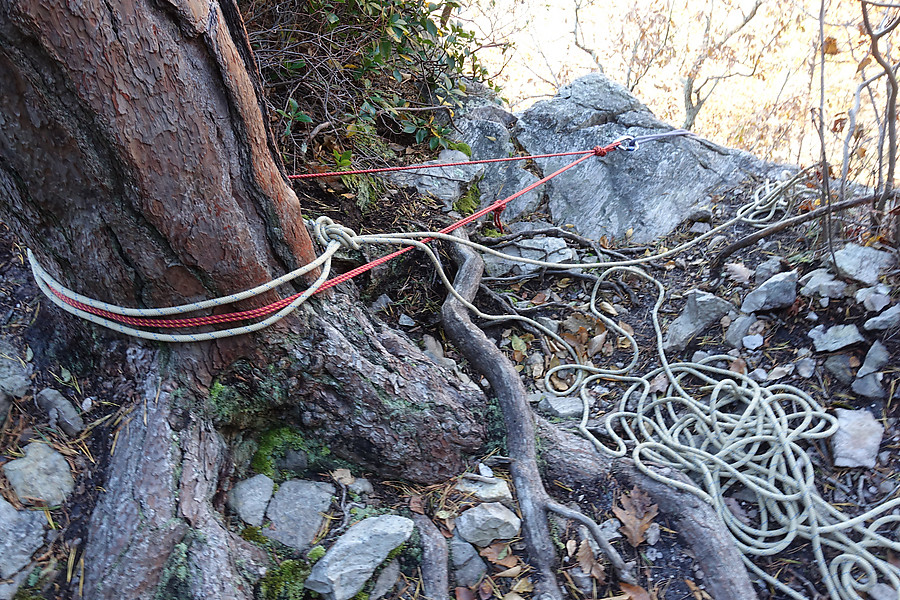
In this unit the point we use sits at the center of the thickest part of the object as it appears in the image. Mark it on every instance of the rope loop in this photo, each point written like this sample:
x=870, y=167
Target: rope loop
x=328, y=231
x=601, y=151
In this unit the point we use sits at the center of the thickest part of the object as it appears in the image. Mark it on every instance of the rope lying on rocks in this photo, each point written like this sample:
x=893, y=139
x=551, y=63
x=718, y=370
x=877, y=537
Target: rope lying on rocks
x=723, y=428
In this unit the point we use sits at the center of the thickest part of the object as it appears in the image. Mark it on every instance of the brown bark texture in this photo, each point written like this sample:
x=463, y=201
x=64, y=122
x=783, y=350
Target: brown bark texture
x=135, y=161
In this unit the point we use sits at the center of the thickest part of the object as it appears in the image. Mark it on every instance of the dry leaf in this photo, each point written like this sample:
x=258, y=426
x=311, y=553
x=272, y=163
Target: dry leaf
x=863, y=63
x=596, y=344
x=660, y=383
x=626, y=328
x=417, y=504
x=738, y=272
x=779, y=372
x=830, y=46
x=623, y=342
x=539, y=298
x=696, y=591
x=485, y=589
x=523, y=586
x=737, y=510
x=590, y=565
x=464, y=593
x=629, y=232
x=343, y=476
x=571, y=546
x=853, y=362
x=511, y=572
x=500, y=554
x=636, y=515
x=634, y=592
x=608, y=308
x=512, y=596
x=739, y=366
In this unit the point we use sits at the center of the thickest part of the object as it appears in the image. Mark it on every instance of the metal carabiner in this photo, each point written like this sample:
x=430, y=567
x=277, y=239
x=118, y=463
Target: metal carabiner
x=626, y=143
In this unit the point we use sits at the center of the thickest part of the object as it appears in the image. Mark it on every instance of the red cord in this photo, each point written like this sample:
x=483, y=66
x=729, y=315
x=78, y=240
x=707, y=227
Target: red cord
x=264, y=311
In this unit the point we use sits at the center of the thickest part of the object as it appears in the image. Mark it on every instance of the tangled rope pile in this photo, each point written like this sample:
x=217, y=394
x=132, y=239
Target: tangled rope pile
x=723, y=428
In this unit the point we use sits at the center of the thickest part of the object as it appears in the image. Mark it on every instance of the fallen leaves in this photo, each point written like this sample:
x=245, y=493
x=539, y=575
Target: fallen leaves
x=634, y=592
x=636, y=515
x=589, y=563
x=738, y=272
x=499, y=553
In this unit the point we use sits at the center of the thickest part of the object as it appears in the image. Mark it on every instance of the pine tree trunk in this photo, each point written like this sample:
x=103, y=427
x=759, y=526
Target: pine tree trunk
x=135, y=161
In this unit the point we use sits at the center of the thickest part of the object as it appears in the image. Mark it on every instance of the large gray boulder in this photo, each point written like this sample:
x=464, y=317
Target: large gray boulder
x=651, y=190
x=249, y=499
x=701, y=310
x=353, y=558
x=21, y=534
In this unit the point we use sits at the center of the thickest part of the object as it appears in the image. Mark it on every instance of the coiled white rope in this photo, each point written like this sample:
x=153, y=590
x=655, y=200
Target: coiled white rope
x=722, y=428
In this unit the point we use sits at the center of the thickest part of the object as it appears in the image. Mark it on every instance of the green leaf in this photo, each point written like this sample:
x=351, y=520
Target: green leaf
x=332, y=18
x=517, y=343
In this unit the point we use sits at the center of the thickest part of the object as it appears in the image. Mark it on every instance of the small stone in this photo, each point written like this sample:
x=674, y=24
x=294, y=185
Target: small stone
x=857, y=440
x=874, y=298
x=563, y=407
x=361, y=486
x=406, y=321
x=700, y=228
x=67, y=417
x=652, y=534
x=497, y=491
x=699, y=355
x=767, y=269
x=249, y=499
x=386, y=580
x=876, y=358
x=884, y=458
x=752, y=342
x=812, y=317
x=42, y=475
x=823, y=283
x=758, y=374
x=22, y=534
x=610, y=529
x=701, y=310
x=886, y=320
x=381, y=303
x=468, y=568
x=716, y=241
x=805, y=367
x=835, y=338
x=738, y=329
x=862, y=263
x=487, y=522
x=295, y=512
x=778, y=291
x=294, y=461
x=839, y=366
x=351, y=560
x=551, y=324
x=882, y=591
x=870, y=386
x=14, y=380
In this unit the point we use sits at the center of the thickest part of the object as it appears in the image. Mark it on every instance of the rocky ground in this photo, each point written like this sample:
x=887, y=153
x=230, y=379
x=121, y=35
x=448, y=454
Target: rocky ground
x=781, y=311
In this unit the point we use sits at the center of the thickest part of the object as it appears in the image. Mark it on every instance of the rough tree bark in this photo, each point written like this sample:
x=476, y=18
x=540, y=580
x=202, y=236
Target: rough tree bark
x=136, y=162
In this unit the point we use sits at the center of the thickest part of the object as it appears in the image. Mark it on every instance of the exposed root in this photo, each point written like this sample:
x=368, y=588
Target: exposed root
x=435, y=578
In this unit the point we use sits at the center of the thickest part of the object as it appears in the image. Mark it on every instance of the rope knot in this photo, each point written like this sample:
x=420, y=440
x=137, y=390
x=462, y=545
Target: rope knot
x=601, y=151
x=328, y=231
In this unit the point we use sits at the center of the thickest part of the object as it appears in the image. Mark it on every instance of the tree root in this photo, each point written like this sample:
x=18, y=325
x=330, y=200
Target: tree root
x=506, y=384
x=435, y=579
x=573, y=460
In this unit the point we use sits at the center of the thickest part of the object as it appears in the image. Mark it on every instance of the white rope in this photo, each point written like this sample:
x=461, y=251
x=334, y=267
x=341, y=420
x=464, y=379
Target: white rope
x=722, y=428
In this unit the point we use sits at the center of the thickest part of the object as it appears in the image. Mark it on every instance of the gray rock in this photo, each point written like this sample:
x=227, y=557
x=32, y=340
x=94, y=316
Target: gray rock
x=834, y=338
x=758, y=374
x=805, y=367
x=14, y=380
x=446, y=184
x=9, y=589
x=874, y=298
x=651, y=190
x=752, y=342
x=496, y=491
x=889, y=319
x=43, y=475
x=361, y=486
x=22, y=535
x=701, y=310
x=862, y=263
x=492, y=112
x=489, y=139
x=350, y=562
x=55, y=404
x=406, y=321
x=487, y=522
x=823, y=283
x=294, y=461
x=548, y=249
x=386, y=580
x=876, y=358
x=882, y=591
x=562, y=407
x=739, y=328
x=249, y=499
x=468, y=568
x=839, y=366
x=767, y=269
x=778, y=291
x=856, y=442
x=700, y=228
x=296, y=512
x=870, y=386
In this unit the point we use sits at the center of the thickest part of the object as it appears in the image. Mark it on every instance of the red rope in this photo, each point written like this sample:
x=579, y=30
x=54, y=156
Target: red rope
x=436, y=165
x=264, y=311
